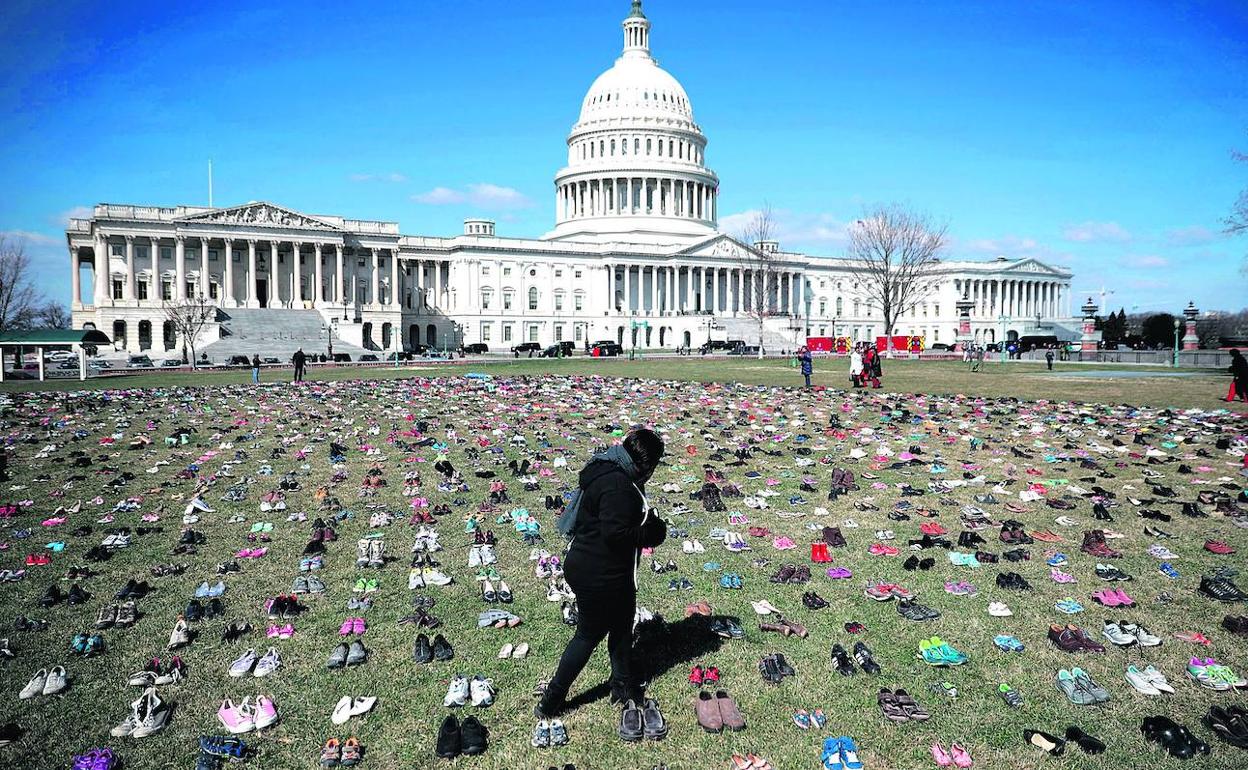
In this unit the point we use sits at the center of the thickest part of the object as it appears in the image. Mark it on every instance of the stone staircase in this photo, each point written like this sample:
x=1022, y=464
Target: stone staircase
x=274, y=332
x=776, y=333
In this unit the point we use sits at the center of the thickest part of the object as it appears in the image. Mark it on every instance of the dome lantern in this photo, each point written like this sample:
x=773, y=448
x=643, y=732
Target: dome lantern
x=637, y=32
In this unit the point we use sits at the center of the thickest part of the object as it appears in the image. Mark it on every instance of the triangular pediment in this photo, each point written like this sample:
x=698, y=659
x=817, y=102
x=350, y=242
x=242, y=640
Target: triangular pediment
x=721, y=246
x=1029, y=265
x=261, y=214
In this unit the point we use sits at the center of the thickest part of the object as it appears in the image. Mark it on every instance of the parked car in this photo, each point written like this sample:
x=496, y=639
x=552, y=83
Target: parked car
x=607, y=348
x=939, y=346
x=402, y=356
x=342, y=358
x=239, y=361
x=100, y=364
x=368, y=357
x=68, y=365
x=744, y=350
x=59, y=355
x=270, y=360
x=140, y=362
x=476, y=348
x=171, y=362
x=525, y=347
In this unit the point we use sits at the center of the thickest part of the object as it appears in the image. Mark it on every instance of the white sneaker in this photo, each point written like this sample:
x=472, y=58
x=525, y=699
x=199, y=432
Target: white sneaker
x=999, y=610
x=487, y=555
x=56, y=680
x=687, y=546
x=243, y=664
x=1114, y=633
x=1142, y=635
x=342, y=711
x=1158, y=680
x=474, y=557
x=268, y=664
x=1140, y=682
x=482, y=691
x=434, y=577
x=456, y=692
x=698, y=547
x=35, y=685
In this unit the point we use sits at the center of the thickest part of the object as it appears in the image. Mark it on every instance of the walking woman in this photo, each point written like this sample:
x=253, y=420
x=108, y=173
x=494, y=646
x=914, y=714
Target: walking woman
x=613, y=523
x=808, y=364
x=855, y=366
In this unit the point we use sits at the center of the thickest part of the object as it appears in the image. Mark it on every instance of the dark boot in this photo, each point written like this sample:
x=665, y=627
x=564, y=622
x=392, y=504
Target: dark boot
x=551, y=704
x=623, y=692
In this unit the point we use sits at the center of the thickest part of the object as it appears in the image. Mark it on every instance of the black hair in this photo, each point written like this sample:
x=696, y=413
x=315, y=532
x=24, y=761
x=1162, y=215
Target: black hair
x=646, y=449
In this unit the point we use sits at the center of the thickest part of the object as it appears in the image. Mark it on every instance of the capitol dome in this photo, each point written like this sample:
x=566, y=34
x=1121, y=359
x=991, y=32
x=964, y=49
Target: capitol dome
x=635, y=167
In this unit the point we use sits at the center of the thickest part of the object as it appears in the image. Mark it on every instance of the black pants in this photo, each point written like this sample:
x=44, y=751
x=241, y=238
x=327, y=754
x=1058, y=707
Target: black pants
x=607, y=616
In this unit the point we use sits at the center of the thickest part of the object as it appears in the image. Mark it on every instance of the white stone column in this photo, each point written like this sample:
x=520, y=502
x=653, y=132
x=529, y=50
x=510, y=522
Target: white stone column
x=318, y=295
x=153, y=288
x=75, y=278
x=339, y=294
x=128, y=285
x=394, y=279
x=227, y=289
x=374, y=269
x=296, y=275
x=179, y=256
x=419, y=270
x=274, y=290
x=628, y=288
x=203, y=268
x=252, y=299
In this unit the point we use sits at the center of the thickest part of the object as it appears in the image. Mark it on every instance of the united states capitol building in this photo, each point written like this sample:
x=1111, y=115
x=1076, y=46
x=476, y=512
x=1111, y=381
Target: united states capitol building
x=635, y=255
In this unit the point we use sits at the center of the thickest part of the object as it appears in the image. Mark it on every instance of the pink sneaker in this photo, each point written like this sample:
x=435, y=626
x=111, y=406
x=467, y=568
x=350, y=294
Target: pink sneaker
x=358, y=626
x=960, y=756
x=243, y=554
x=236, y=719
x=940, y=755
x=1123, y=598
x=273, y=632
x=347, y=627
x=266, y=712
x=286, y=631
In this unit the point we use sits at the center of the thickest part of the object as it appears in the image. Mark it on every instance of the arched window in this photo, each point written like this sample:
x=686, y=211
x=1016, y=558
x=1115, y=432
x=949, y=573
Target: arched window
x=508, y=296
x=840, y=306
x=486, y=296
x=601, y=148
x=647, y=146
x=823, y=306
x=612, y=147
x=532, y=298
x=636, y=146
x=558, y=298
x=857, y=308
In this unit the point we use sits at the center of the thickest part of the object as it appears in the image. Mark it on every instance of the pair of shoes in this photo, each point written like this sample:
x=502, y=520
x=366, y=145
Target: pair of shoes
x=900, y=706
x=549, y=733
x=454, y=738
x=336, y=753
x=645, y=721
x=1173, y=737
x=717, y=712
x=840, y=753
x=774, y=668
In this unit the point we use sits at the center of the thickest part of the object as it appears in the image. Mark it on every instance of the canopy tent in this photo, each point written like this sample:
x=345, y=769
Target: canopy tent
x=41, y=338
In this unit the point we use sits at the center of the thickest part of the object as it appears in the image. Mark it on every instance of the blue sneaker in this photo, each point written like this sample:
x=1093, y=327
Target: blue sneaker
x=831, y=756
x=849, y=753
x=725, y=580
x=1167, y=569
x=1056, y=560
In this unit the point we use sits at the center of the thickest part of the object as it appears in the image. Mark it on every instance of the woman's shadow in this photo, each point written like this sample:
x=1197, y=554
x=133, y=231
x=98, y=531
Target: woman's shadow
x=660, y=647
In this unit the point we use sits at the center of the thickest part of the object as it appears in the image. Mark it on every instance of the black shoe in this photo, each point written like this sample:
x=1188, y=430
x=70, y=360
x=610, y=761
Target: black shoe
x=654, y=726
x=450, y=743
x=910, y=564
x=77, y=595
x=421, y=651
x=1045, y=742
x=51, y=596
x=632, y=723
x=862, y=654
x=194, y=611
x=840, y=659
x=472, y=736
x=442, y=649
x=1086, y=742
x=125, y=592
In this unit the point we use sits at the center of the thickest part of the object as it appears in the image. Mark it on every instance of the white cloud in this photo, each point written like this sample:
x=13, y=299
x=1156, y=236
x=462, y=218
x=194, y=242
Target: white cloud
x=482, y=195
x=1087, y=232
x=77, y=212
x=1195, y=235
x=31, y=238
x=795, y=230
x=392, y=176
x=1146, y=261
x=1007, y=245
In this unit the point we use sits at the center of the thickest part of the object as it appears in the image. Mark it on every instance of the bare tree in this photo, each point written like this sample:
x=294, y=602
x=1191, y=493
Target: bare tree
x=760, y=262
x=53, y=315
x=188, y=318
x=20, y=301
x=1237, y=222
x=897, y=251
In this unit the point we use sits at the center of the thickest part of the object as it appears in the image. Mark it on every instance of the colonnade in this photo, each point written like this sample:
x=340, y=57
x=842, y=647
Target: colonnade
x=1016, y=298
x=633, y=196
x=678, y=289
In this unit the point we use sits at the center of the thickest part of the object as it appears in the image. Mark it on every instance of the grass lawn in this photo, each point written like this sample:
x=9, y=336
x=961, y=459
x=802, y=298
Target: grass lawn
x=572, y=414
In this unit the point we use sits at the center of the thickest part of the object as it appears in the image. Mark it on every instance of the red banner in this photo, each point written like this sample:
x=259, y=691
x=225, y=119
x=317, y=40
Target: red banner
x=902, y=343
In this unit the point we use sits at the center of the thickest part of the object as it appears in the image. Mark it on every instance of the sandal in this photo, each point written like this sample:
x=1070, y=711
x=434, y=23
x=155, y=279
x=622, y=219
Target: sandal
x=910, y=707
x=351, y=752
x=890, y=707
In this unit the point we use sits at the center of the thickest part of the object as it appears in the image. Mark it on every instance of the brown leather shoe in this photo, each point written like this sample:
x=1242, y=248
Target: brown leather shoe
x=777, y=627
x=707, y=709
x=729, y=714
x=797, y=628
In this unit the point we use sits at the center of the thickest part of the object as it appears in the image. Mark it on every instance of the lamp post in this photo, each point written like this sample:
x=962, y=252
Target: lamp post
x=1178, y=326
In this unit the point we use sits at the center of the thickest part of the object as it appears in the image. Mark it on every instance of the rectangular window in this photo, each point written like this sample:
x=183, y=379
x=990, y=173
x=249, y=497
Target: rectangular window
x=141, y=252
x=823, y=331
x=936, y=334
x=506, y=332
x=212, y=290
x=506, y=271
x=558, y=302
x=532, y=332
x=577, y=274
x=238, y=256
x=579, y=332
x=118, y=250
x=166, y=252
x=533, y=300
x=212, y=255
x=141, y=288
x=936, y=310
x=506, y=302
x=578, y=301
x=485, y=300
x=190, y=288
x=558, y=332
x=117, y=288
x=485, y=271
x=558, y=273
x=166, y=290
x=485, y=331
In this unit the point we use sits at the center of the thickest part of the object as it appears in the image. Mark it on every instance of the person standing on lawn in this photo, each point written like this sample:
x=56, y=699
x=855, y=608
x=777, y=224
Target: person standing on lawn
x=300, y=361
x=255, y=368
x=612, y=524
x=871, y=367
x=807, y=363
x=855, y=366
x=1239, y=376
x=1048, y=359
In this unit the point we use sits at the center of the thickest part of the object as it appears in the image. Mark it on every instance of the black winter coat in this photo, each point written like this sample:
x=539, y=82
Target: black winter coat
x=612, y=527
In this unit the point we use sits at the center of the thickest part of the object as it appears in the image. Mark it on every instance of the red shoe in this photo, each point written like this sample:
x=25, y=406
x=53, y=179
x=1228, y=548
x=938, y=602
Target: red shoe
x=1219, y=547
x=697, y=676
x=710, y=675
x=932, y=528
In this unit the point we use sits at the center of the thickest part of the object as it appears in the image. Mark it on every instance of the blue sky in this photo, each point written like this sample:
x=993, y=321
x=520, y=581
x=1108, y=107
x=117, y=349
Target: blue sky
x=1093, y=135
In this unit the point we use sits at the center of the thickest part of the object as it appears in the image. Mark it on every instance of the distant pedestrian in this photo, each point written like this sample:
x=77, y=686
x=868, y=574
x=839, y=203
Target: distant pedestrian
x=255, y=368
x=979, y=358
x=1048, y=359
x=301, y=364
x=808, y=364
x=855, y=367
x=1239, y=376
